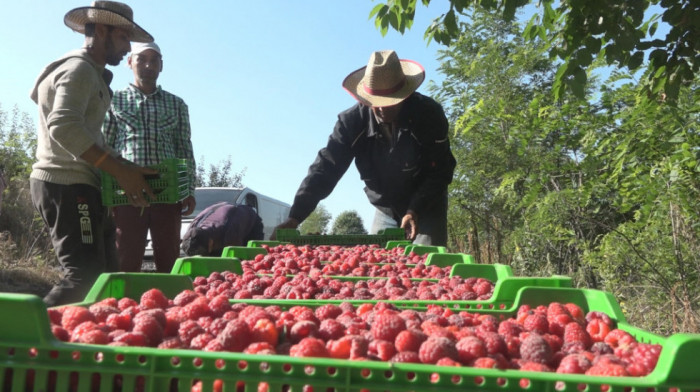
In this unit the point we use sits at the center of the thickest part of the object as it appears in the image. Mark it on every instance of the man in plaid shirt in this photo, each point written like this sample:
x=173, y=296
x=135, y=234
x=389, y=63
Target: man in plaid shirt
x=147, y=125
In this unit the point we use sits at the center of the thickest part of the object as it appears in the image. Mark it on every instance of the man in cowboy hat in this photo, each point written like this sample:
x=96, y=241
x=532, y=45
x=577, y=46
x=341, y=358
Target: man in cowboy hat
x=73, y=95
x=147, y=124
x=398, y=139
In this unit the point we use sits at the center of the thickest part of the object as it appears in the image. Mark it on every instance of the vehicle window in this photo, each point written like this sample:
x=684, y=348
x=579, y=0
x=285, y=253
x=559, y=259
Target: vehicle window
x=208, y=197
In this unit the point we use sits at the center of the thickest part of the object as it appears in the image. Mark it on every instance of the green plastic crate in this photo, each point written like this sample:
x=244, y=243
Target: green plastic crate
x=381, y=238
x=29, y=350
x=171, y=186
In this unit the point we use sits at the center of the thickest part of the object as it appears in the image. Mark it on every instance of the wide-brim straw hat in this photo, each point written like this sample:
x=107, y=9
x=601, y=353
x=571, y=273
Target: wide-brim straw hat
x=385, y=81
x=110, y=13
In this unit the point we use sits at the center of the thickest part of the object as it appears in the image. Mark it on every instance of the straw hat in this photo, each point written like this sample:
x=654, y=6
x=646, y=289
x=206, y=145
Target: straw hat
x=110, y=13
x=385, y=81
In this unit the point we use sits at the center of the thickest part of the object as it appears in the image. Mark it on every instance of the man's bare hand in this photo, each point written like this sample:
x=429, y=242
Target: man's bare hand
x=188, y=205
x=131, y=178
x=409, y=224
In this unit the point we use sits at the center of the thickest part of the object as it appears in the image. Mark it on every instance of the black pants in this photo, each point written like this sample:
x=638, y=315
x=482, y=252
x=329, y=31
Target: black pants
x=82, y=234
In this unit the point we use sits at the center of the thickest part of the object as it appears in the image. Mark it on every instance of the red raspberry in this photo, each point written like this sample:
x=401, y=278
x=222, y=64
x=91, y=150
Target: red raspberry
x=330, y=329
x=132, y=339
x=494, y=343
x=447, y=362
x=309, y=347
x=599, y=325
x=328, y=311
x=89, y=333
x=150, y=327
x=348, y=347
x=200, y=341
x=409, y=340
x=102, y=310
x=219, y=305
x=171, y=343
x=470, y=348
x=436, y=347
x=196, y=309
x=74, y=316
x=154, y=298
x=60, y=333
x=381, y=349
x=536, y=349
x=574, y=364
x=406, y=357
x=303, y=329
x=55, y=315
x=608, y=370
x=387, y=325
x=157, y=314
x=509, y=328
x=119, y=321
x=529, y=366
x=558, y=316
x=125, y=303
x=576, y=312
x=185, y=297
x=490, y=362
x=536, y=322
x=187, y=331
x=644, y=357
x=236, y=336
x=265, y=331
x=575, y=332
x=263, y=348
x=619, y=338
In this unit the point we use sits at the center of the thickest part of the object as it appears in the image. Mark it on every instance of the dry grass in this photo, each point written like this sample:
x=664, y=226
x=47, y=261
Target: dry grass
x=24, y=275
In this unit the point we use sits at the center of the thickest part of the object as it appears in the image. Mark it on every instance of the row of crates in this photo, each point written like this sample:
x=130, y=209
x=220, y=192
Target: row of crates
x=31, y=358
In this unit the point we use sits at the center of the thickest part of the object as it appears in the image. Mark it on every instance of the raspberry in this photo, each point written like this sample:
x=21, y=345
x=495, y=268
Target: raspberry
x=470, y=348
x=575, y=332
x=608, y=370
x=184, y=297
x=494, y=343
x=101, y=311
x=75, y=315
x=619, y=338
x=328, y=311
x=187, y=331
x=263, y=348
x=157, y=314
x=409, y=340
x=149, y=326
x=60, y=333
x=219, y=305
x=125, y=303
x=598, y=325
x=576, y=312
x=558, y=316
x=601, y=348
x=348, y=347
x=645, y=356
x=89, y=333
x=200, y=341
x=574, y=364
x=447, y=362
x=490, y=362
x=436, y=347
x=154, y=298
x=196, y=309
x=309, y=347
x=387, y=325
x=235, y=336
x=55, y=315
x=132, y=339
x=406, y=357
x=171, y=343
x=119, y=321
x=381, y=349
x=303, y=329
x=509, y=328
x=536, y=349
x=330, y=329
x=529, y=366
x=265, y=331
x=536, y=322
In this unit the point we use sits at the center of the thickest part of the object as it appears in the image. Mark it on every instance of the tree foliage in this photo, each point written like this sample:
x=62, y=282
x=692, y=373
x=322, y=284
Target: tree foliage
x=620, y=32
x=348, y=222
x=317, y=222
x=220, y=175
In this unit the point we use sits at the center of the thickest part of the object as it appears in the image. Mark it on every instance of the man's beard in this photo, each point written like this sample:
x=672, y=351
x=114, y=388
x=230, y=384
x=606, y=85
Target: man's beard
x=112, y=58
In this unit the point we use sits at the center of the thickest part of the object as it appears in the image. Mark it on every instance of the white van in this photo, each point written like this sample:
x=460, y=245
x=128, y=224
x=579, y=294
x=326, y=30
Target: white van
x=272, y=211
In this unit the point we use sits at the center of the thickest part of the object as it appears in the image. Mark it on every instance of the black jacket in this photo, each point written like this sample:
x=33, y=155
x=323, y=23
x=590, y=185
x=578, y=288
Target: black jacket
x=412, y=174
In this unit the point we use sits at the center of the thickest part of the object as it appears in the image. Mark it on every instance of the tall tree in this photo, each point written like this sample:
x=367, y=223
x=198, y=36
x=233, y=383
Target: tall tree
x=348, y=222
x=317, y=222
x=220, y=175
x=620, y=32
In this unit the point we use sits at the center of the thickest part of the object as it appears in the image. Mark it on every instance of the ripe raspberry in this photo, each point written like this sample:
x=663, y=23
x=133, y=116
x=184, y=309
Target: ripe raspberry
x=599, y=325
x=644, y=356
x=303, y=329
x=576, y=312
x=119, y=321
x=575, y=332
x=125, y=303
x=263, y=348
x=608, y=370
x=60, y=333
x=132, y=339
x=490, y=362
x=509, y=328
x=187, y=331
x=219, y=305
x=409, y=340
x=200, y=341
x=536, y=322
x=348, y=347
x=330, y=329
x=387, y=325
x=406, y=357
x=529, y=366
x=154, y=298
x=536, y=349
x=265, y=331
x=184, y=297
x=101, y=311
x=74, y=316
x=328, y=311
x=89, y=333
x=171, y=343
x=600, y=348
x=381, y=349
x=470, y=348
x=196, y=309
x=236, y=336
x=574, y=364
x=309, y=347
x=619, y=338
x=558, y=316
x=157, y=314
x=150, y=327
x=494, y=343
x=447, y=362
x=436, y=347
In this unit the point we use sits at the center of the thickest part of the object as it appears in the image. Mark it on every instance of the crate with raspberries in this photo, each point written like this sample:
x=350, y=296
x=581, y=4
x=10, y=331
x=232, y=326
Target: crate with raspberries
x=383, y=237
x=170, y=185
x=156, y=332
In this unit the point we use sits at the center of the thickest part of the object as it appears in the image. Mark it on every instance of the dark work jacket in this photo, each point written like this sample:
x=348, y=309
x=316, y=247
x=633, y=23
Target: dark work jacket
x=413, y=174
x=227, y=224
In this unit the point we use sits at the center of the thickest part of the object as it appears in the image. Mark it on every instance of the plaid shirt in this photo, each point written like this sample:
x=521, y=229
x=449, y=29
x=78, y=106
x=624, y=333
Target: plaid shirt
x=146, y=129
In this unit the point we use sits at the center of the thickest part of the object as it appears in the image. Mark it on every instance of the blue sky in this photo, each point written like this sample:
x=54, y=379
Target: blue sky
x=262, y=79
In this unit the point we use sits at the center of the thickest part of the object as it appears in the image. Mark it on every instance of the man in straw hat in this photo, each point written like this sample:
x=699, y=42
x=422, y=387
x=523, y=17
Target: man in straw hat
x=147, y=124
x=398, y=139
x=73, y=95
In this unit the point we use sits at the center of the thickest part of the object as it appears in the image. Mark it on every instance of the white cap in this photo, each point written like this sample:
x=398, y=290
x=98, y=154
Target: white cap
x=138, y=47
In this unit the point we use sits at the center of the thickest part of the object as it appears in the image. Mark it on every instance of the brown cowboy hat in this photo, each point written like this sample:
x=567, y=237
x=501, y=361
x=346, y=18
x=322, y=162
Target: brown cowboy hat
x=385, y=81
x=110, y=13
